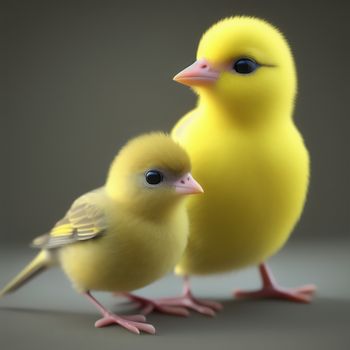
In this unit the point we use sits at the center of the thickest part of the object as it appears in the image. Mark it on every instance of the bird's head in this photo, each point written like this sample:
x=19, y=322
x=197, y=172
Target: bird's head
x=150, y=173
x=244, y=65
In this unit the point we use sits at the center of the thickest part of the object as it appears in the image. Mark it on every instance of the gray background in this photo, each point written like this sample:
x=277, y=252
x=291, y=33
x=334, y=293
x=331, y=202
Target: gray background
x=80, y=78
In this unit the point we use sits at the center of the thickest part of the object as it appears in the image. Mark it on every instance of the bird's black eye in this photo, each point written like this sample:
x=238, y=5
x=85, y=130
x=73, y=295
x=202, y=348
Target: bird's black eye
x=154, y=177
x=245, y=66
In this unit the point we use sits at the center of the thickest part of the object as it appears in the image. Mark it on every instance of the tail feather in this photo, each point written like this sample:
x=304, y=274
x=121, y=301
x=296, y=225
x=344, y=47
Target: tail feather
x=40, y=263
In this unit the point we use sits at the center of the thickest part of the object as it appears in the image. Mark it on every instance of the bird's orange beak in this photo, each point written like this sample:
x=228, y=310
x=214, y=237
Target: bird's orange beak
x=188, y=185
x=198, y=74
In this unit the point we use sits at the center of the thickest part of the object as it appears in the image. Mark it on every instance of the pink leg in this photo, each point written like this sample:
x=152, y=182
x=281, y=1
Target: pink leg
x=270, y=289
x=178, y=305
x=133, y=323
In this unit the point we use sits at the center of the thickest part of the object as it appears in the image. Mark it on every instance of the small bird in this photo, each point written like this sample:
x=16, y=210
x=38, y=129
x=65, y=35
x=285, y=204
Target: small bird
x=247, y=153
x=126, y=234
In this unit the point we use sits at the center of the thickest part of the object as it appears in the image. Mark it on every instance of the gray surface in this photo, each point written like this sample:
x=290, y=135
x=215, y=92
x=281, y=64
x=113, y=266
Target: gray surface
x=99, y=73
x=47, y=313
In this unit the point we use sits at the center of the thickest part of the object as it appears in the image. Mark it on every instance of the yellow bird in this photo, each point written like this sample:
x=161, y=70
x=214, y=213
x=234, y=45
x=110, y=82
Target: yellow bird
x=247, y=153
x=126, y=234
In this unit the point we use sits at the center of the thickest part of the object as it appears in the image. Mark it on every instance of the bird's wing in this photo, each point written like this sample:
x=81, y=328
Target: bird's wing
x=86, y=219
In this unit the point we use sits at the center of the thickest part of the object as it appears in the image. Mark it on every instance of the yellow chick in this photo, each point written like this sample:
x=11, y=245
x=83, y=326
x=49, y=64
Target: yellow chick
x=246, y=152
x=126, y=234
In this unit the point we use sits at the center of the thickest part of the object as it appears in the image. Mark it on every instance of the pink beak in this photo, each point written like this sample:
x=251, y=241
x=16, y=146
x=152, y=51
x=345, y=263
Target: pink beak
x=197, y=74
x=188, y=185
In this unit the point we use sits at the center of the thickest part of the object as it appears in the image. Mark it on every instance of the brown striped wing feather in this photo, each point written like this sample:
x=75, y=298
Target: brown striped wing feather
x=85, y=220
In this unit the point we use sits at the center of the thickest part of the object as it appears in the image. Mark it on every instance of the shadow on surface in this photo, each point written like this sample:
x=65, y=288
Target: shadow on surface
x=246, y=324
x=262, y=314
x=237, y=314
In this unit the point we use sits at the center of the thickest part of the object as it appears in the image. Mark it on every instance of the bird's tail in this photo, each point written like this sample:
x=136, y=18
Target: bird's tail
x=40, y=263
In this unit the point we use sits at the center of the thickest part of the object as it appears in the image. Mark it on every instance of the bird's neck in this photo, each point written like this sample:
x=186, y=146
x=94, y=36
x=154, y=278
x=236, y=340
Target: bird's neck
x=153, y=211
x=245, y=115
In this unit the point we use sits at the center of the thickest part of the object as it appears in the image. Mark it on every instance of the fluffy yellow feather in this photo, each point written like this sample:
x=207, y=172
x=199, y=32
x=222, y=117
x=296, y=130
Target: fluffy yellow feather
x=126, y=234
x=245, y=150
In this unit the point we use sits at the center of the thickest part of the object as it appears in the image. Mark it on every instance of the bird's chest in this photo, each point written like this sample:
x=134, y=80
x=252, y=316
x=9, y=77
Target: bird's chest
x=254, y=190
x=124, y=260
x=249, y=179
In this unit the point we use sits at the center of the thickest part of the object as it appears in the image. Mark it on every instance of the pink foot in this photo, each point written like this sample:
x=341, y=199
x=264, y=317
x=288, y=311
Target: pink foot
x=128, y=322
x=188, y=301
x=271, y=290
x=149, y=306
x=133, y=323
x=204, y=307
x=177, y=306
